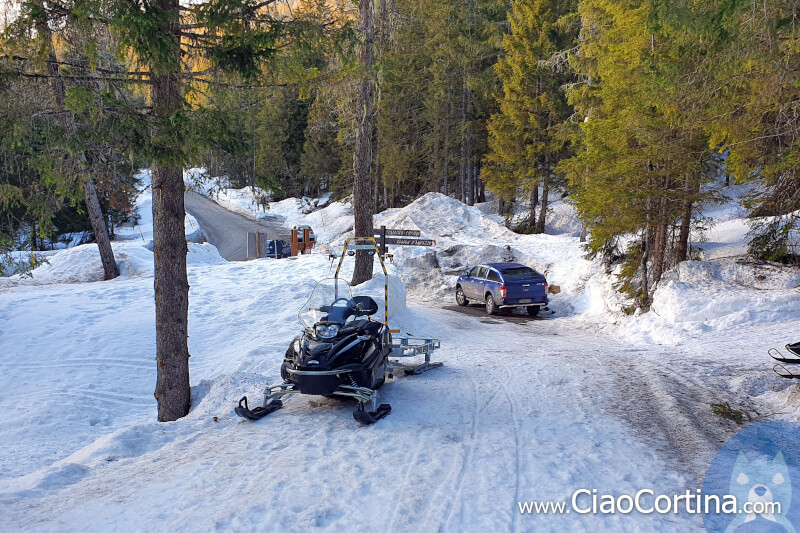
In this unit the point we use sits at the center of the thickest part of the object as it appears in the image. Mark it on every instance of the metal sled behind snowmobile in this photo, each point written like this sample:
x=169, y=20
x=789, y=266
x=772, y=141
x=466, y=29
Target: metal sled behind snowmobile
x=342, y=351
x=778, y=356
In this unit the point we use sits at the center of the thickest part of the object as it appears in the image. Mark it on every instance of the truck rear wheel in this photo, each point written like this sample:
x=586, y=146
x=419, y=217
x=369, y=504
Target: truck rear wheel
x=533, y=310
x=491, y=308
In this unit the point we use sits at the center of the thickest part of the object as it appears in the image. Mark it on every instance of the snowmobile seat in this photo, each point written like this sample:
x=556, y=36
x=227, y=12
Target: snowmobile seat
x=794, y=348
x=369, y=327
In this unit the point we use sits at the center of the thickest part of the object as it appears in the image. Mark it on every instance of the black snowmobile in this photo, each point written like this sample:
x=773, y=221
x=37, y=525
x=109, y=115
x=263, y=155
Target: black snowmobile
x=792, y=358
x=342, y=351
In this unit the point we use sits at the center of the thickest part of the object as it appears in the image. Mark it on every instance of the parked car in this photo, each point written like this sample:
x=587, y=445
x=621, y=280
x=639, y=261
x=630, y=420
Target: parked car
x=311, y=236
x=278, y=249
x=503, y=286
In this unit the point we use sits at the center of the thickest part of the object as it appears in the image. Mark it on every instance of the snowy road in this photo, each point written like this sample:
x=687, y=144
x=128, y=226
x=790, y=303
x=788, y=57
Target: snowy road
x=227, y=230
x=522, y=410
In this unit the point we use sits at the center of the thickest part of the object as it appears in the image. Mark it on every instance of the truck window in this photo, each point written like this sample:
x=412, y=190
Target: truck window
x=481, y=273
x=518, y=274
x=493, y=276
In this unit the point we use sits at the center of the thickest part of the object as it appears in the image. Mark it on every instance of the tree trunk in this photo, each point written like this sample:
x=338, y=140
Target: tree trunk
x=682, y=252
x=462, y=164
x=99, y=226
x=362, y=207
x=377, y=169
x=93, y=208
x=583, y=232
x=446, y=150
x=469, y=184
x=534, y=203
x=660, y=250
x=435, y=162
x=540, y=222
x=34, y=237
x=645, y=297
x=169, y=248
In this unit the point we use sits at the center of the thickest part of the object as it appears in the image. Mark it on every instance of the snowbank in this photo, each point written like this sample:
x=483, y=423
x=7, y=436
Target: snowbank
x=699, y=297
x=249, y=201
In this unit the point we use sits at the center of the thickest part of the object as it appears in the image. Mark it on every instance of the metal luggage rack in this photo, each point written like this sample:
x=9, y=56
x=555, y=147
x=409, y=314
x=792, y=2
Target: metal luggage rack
x=413, y=347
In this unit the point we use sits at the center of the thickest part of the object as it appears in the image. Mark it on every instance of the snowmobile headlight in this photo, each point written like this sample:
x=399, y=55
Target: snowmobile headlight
x=296, y=346
x=326, y=331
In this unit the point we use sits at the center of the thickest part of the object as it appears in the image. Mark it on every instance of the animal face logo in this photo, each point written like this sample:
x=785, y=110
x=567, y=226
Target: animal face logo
x=758, y=473
x=766, y=482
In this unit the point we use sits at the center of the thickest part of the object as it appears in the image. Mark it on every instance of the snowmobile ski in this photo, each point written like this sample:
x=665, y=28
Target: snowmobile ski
x=424, y=367
x=367, y=418
x=794, y=348
x=785, y=372
x=778, y=356
x=259, y=412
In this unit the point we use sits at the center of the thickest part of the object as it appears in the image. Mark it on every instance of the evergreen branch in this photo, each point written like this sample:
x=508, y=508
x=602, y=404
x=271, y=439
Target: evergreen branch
x=238, y=86
x=71, y=77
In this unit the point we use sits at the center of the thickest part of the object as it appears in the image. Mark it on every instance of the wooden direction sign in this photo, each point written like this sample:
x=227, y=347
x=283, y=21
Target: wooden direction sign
x=397, y=238
x=398, y=232
x=410, y=242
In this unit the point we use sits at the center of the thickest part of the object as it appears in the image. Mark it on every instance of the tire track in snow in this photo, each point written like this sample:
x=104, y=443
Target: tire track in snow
x=467, y=458
x=515, y=425
x=404, y=484
x=117, y=397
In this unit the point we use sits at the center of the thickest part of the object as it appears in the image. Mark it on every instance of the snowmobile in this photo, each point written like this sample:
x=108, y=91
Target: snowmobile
x=342, y=351
x=793, y=358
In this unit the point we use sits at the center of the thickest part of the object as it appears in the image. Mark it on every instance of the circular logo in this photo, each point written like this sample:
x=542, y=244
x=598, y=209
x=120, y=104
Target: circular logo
x=753, y=483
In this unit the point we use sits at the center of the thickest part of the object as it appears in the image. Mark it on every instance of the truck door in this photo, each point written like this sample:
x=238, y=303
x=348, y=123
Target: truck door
x=468, y=282
x=479, y=284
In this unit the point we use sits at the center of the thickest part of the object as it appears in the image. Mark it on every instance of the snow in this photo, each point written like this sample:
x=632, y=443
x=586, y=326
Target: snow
x=463, y=443
x=522, y=410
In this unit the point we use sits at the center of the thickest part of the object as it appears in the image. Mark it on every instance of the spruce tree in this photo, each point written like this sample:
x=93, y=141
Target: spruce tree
x=526, y=137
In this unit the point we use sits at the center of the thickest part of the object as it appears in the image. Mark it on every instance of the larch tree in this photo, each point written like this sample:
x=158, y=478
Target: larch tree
x=640, y=162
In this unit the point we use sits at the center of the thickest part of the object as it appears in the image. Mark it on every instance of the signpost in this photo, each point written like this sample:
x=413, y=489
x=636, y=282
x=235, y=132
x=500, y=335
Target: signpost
x=398, y=237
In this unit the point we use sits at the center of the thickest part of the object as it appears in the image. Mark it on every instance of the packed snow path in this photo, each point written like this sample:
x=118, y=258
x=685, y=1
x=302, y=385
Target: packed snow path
x=522, y=410
x=228, y=230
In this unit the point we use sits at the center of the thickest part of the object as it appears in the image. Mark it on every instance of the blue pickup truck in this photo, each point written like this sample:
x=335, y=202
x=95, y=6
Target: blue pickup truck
x=503, y=286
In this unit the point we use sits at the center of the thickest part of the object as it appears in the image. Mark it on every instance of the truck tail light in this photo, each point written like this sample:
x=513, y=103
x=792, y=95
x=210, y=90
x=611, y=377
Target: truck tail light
x=503, y=291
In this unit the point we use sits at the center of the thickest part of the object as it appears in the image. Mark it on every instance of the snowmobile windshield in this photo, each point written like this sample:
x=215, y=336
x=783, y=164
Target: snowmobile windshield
x=330, y=301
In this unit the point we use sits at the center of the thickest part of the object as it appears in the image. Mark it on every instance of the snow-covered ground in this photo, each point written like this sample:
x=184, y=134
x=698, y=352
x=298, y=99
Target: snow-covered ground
x=523, y=409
